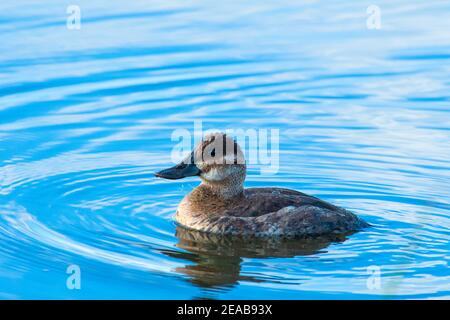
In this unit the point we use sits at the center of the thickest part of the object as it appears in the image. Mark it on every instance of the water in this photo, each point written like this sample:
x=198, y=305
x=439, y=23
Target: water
x=86, y=117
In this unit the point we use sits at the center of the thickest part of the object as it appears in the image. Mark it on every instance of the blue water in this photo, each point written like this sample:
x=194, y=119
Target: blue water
x=86, y=117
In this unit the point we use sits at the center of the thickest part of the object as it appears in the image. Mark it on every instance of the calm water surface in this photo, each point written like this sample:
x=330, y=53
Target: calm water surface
x=86, y=117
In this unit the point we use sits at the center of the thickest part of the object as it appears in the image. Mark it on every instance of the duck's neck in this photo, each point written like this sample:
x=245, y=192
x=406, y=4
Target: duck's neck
x=224, y=191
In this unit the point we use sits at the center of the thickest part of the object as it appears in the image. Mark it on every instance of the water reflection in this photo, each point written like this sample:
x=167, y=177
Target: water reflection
x=217, y=259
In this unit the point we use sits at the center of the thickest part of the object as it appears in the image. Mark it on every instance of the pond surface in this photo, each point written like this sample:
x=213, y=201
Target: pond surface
x=86, y=117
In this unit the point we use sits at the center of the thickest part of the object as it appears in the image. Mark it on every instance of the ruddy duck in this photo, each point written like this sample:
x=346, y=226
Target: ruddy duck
x=221, y=205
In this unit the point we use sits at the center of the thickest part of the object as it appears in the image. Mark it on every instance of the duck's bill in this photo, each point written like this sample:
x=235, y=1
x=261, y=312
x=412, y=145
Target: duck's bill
x=179, y=171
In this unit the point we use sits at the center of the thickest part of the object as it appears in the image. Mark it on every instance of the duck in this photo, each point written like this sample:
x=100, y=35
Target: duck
x=221, y=205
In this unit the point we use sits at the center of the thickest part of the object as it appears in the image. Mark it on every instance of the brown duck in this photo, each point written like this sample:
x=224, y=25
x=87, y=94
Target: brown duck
x=221, y=205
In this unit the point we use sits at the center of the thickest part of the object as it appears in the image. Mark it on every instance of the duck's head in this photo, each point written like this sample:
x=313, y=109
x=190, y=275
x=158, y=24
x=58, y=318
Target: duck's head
x=217, y=160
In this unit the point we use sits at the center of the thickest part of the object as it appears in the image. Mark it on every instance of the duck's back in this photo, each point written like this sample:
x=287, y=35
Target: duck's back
x=267, y=200
x=266, y=212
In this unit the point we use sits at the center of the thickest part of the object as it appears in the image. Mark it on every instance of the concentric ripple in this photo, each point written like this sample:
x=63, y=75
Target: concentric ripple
x=86, y=117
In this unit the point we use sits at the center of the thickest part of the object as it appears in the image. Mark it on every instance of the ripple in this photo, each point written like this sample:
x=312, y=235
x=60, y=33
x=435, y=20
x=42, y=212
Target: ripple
x=86, y=117
x=26, y=225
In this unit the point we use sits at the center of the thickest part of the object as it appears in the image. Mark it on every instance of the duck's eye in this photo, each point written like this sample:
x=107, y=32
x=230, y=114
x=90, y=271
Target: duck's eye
x=213, y=153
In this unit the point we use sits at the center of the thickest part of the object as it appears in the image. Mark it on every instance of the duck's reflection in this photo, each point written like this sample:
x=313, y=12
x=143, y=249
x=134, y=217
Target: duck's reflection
x=217, y=259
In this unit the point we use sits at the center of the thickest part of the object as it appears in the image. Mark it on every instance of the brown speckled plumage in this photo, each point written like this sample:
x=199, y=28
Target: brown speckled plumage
x=220, y=205
x=264, y=212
